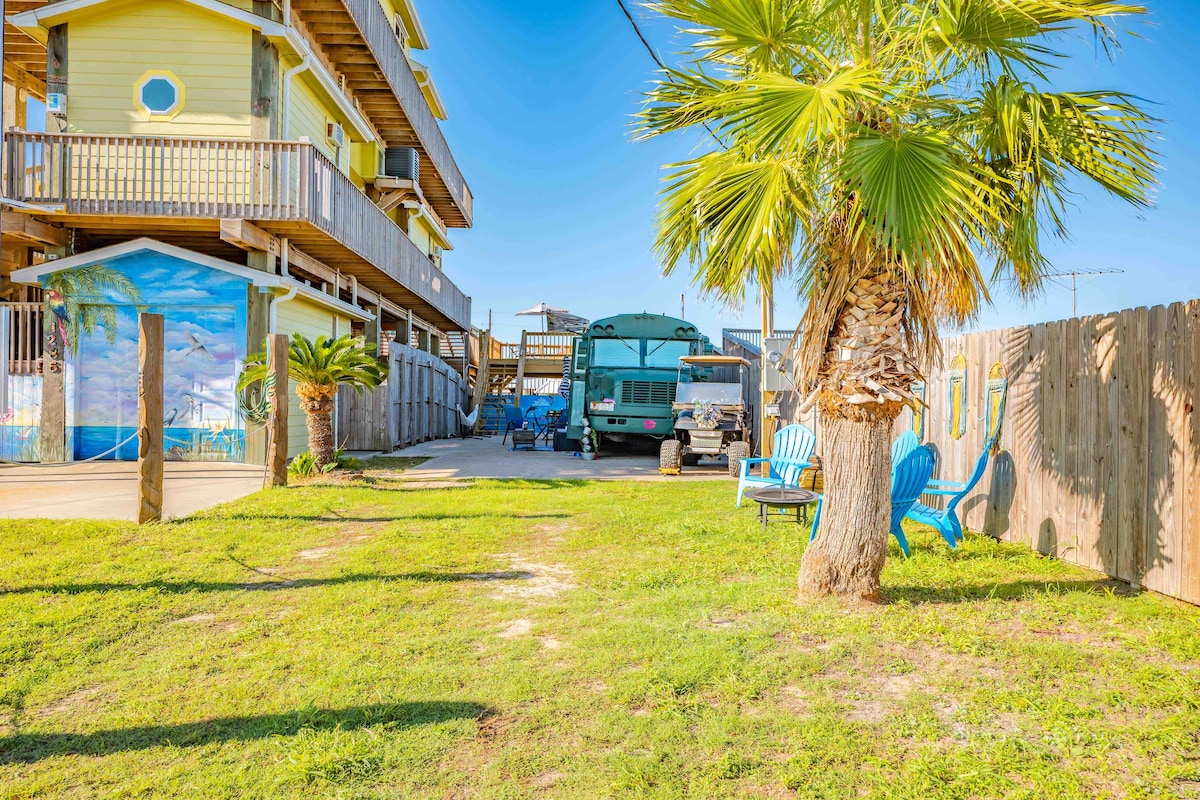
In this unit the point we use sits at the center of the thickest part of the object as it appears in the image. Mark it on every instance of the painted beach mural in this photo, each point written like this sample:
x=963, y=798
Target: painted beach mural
x=204, y=311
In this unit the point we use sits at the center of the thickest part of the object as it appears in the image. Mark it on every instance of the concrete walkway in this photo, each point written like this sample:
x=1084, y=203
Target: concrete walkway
x=108, y=489
x=488, y=458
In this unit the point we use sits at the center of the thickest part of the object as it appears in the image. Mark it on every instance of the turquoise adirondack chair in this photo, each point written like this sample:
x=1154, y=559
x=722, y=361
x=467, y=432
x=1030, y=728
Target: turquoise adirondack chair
x=909, y=476
x=946, y=520
x=905, y=443
x=791, y=454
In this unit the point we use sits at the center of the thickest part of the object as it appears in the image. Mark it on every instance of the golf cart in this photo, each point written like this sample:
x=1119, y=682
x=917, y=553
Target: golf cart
x=712, y=416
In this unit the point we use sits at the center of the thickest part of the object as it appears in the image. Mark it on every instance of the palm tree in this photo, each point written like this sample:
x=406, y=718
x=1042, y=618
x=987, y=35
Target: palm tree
x=886, y=155
x=78, y=301
x=319, y=368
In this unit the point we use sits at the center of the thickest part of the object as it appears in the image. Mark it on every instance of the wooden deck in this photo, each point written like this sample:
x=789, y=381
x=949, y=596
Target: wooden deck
x=357, y=39
x=113, y=188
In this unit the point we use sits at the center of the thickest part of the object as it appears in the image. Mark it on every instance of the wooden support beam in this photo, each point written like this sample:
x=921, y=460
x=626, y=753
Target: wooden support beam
x=277, y=378
x=29, y=229
x=52, y=427
x=150, y=418
x=248, y=236
x=21, y=78
x=521, y=366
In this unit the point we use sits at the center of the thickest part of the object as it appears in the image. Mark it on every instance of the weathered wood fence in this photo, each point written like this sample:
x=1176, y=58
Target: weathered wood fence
x=1100, y=446
x=416, y=404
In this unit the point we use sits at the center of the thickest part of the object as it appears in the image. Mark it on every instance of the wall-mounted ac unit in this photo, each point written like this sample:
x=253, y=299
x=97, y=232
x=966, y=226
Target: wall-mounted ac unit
x=335, y=133
x=402, y=162
x=435, y=255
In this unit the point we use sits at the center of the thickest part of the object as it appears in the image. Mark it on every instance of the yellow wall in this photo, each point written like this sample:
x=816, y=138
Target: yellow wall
x=305, y=317
x=111, y=51
x=309, y=117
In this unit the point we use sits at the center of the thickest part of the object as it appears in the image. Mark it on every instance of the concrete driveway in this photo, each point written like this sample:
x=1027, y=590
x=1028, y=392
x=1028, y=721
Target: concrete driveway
x=488, y=458
x=108, y=489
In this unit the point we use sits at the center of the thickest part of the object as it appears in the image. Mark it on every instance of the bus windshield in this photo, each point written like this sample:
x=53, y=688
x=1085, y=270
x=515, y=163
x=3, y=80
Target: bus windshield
x=651, y=353
x=665, y=353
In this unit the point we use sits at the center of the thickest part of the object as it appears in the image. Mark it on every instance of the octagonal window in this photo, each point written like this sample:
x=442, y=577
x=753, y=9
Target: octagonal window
x=159, y=94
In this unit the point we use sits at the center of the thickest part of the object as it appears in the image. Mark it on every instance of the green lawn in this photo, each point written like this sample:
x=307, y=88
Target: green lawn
x=568, y=640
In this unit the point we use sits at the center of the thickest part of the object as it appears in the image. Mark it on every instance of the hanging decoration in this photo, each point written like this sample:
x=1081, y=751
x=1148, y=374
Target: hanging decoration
x=957, y=380
x=997, y=394
x=918, y=410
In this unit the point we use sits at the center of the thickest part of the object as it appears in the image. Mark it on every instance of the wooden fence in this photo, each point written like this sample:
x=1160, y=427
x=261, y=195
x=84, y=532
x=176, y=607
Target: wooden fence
x=416, y=404
x=1100, y=445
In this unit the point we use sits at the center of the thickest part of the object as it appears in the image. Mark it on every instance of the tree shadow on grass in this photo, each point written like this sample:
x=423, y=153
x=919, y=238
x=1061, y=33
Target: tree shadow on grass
x=27, y=748
x=249, y=516
x=185, y=587
x=1013, y=590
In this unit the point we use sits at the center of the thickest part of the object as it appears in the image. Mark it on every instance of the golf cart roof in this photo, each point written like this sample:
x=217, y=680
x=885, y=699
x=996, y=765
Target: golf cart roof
x=714, y=360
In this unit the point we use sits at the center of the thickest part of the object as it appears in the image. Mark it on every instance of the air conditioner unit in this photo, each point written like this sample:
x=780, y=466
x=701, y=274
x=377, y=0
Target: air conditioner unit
x=435, y=256
x=403, y=163
x=335, y=133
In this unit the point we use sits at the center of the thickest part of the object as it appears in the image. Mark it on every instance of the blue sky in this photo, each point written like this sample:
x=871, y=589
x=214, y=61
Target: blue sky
x=540, y=93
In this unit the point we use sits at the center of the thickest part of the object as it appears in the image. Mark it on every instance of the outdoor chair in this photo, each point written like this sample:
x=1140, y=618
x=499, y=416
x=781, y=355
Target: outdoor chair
x=514, y=420
x=791, y=454
x=905, y=443
x=946, y=520
x=909, y=477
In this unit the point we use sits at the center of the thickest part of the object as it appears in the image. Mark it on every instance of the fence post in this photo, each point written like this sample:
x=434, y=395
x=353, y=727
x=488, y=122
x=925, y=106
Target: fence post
x=150, y=417
x=277, y=393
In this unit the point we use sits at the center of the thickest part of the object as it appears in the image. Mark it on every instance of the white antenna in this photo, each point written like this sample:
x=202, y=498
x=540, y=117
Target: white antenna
x=1071, y=280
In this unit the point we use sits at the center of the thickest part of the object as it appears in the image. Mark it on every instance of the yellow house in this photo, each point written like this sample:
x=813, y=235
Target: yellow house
x=296, y=137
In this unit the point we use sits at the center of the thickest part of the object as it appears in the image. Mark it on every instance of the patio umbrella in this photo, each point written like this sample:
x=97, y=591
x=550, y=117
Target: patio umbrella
x=542, y=310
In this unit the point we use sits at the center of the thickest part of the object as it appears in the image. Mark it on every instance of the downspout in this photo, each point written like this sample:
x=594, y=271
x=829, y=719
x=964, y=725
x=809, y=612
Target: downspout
x=273, y=312
x=284, y=248
x=353, y=290
x=303, y=66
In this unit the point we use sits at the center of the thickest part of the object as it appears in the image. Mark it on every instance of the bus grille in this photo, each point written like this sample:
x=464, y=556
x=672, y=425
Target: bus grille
x=647, y=393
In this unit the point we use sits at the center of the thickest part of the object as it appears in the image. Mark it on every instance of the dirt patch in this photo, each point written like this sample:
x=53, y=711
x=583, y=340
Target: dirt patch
x=518, y=627
x=550, y=643
x=546, y=779
x=207, y=620
x=543, y=581
x=493, y=726
x=73, y=702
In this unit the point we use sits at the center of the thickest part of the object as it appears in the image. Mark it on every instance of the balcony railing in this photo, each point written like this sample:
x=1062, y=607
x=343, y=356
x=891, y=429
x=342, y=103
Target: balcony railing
x=21, y=336
x=380, y=36
x=222, y=178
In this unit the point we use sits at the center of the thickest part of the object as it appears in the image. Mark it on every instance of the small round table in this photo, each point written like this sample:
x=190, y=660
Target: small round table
x=782, y=497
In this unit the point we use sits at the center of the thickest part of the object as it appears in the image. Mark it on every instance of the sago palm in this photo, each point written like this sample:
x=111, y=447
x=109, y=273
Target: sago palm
x=892, y=158
x=319, y=368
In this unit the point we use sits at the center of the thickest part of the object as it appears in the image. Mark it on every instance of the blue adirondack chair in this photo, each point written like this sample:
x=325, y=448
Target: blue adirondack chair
x=905, y=443
x=909, y=476
x=791, y=454
x=946, y=520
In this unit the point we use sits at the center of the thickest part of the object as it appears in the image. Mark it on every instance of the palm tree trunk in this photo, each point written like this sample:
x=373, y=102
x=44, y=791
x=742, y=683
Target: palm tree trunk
x=864, y=378
x=318, y=414
x=848, y=554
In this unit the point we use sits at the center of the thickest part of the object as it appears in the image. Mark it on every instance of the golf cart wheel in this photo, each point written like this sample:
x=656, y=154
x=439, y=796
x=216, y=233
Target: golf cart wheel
x=670, y=457
x=736, y=452
x=691, y=459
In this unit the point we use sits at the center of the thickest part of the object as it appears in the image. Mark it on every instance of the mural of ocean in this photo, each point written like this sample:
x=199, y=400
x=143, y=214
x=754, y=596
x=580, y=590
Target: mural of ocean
x=180, y=444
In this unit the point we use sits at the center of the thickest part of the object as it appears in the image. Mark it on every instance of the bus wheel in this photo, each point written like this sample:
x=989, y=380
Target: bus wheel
x=736, y=452
x=670, y=457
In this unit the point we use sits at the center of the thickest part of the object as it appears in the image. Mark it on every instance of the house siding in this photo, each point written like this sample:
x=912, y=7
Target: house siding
x=111, y=51
x=310, y=320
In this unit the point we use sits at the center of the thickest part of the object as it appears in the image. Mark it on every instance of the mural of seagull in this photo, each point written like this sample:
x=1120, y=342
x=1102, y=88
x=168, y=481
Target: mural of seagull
x=170, y=418
x=7, y=417
x=54, y=299
x=195, y=346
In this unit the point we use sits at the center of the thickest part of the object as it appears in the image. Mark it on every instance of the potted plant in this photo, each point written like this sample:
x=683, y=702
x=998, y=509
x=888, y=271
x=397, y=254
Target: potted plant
x=590, y=441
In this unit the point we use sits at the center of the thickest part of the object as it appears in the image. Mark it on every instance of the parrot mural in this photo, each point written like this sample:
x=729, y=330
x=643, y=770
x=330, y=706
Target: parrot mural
x=58, y=305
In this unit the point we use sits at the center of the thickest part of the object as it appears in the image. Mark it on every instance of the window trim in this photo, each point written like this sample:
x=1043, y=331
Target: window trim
x=171, y=78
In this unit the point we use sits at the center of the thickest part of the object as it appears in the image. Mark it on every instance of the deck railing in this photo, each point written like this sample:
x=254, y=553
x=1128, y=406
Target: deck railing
x=380, y=36
x=218, y=178
x=548, y=345
x=22, y=336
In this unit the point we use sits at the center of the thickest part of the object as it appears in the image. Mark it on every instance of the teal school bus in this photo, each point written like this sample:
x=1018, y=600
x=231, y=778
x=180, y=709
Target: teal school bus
x=623, y=375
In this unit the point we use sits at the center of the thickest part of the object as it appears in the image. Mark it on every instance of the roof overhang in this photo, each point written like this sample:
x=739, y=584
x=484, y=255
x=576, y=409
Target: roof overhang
x=408, y=13
x=37, y=22
x=418, y=210
x=265, y=280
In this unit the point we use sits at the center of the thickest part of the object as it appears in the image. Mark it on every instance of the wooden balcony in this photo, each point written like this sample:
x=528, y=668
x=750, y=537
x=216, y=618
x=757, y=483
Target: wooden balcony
x=359, y=41
x=116, y=187
x=21, y=337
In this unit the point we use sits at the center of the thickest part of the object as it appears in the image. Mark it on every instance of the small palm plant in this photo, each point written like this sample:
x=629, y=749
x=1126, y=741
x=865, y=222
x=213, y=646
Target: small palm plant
x=319, y=368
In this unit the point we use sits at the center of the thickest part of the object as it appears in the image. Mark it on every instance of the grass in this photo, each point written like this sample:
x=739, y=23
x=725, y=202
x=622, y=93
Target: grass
x=571, y=640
